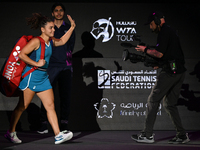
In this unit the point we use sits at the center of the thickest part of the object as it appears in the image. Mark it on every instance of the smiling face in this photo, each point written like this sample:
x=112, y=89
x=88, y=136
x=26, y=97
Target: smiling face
x=58, y=13
x=48, y=29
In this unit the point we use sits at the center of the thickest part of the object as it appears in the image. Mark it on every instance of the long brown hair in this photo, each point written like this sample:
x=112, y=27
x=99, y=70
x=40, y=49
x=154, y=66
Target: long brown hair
x=37, y=20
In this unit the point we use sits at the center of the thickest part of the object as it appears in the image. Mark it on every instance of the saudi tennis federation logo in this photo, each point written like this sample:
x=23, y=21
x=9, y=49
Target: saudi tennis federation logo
x=104, y=79
x=103, y=28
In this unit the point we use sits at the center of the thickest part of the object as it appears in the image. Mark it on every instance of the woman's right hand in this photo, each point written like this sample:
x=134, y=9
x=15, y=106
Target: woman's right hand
x=41, y=63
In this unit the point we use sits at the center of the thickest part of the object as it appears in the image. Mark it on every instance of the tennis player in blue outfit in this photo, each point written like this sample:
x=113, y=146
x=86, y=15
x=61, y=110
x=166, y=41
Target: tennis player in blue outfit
x=37, y=82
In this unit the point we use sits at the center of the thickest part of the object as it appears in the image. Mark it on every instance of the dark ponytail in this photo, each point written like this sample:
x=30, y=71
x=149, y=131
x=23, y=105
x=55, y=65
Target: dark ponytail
x=37, y=21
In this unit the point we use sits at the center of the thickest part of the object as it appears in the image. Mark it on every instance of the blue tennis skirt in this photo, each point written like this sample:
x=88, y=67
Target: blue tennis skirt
x=36, y=81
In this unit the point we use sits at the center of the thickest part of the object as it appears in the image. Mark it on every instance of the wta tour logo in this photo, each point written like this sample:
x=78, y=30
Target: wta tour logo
x=103, y=28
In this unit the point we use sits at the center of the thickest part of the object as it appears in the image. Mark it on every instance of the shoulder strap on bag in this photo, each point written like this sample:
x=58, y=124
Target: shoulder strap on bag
x=42, y=42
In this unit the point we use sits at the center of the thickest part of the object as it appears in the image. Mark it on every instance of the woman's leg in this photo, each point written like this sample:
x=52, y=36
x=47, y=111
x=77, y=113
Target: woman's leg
x=24, y=100
x=47, y=99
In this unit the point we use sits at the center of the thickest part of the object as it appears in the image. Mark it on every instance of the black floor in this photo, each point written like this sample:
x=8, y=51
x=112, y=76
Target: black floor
x=101, y=140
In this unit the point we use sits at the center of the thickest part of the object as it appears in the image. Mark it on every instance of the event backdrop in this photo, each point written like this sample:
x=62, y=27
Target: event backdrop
x=109, y=93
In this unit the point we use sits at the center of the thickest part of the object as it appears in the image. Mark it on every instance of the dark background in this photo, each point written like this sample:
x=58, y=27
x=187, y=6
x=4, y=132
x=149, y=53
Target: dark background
x=184, y=17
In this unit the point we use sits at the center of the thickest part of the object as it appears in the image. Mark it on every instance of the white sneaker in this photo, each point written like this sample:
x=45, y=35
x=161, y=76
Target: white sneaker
x=12, y=137
x=63, y=136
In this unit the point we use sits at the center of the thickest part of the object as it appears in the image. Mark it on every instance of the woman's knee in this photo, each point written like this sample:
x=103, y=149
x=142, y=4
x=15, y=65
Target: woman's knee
x=49, y=105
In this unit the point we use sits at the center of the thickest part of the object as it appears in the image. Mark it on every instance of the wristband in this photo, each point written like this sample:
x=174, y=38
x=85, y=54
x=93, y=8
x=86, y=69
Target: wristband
x=145, y=50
